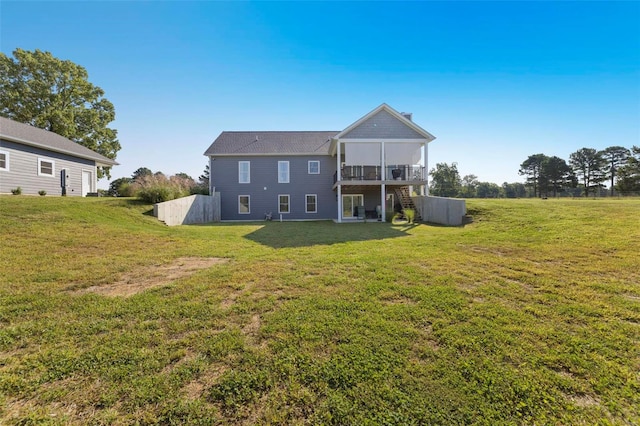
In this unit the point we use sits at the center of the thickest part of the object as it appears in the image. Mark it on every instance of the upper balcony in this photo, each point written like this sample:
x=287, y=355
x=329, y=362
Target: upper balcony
x=367, y=173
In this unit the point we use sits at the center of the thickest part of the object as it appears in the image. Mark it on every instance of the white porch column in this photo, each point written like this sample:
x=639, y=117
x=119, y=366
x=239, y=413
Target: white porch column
x=426, y=169
x=338, y=171
x=338, y=179
x=383, y=165
x=383, y=201
x=339, y=203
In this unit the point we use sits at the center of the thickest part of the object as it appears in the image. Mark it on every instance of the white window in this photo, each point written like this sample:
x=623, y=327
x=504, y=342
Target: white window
x=244, y=204
x=311, y=203
x=46, y=167
x=244, y=172
x=314, y=167
x=4, y=160
x=283, y=203
x=283, y=172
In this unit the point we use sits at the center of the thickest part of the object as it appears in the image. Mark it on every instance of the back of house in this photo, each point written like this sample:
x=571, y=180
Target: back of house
x=364, y=171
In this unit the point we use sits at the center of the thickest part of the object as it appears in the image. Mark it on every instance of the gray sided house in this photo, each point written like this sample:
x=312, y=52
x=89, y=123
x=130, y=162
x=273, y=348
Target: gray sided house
x=39, y=160
x=364, y=171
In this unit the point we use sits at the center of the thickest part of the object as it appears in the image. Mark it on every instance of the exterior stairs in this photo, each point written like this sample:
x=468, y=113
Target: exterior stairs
x=404, y=197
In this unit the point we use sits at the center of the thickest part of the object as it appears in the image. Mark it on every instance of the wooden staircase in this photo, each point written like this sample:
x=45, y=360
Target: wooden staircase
x=404, y=197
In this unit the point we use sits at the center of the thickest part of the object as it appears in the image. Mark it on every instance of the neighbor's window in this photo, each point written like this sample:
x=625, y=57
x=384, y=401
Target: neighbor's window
x=244, y=172
x=283, y=172
x=45, y=167
x=311, y=203
x=283, y=203
x=4, y=160
x=244, y=206
x=314, y=167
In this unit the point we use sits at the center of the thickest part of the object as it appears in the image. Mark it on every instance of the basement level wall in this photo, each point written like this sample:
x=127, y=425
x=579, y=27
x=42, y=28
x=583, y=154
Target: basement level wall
x=264, y=188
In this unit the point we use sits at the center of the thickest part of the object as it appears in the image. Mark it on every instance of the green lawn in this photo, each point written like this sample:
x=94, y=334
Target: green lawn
x=529, y=315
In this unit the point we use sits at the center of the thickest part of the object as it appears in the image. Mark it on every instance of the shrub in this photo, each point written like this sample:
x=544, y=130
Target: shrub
x=390, y=216
x=42, y=193
x=200, y=189
x=16, y=191
x=409, y=214
x=158, y=188
x=121, y=188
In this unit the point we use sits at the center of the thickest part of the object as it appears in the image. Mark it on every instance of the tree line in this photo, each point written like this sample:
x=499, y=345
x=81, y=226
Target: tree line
x=584, y=174
x=587, y=170
x=446, y=182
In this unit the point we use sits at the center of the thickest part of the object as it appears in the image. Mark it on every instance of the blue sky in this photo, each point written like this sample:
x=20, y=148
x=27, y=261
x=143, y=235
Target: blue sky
x=494, y=81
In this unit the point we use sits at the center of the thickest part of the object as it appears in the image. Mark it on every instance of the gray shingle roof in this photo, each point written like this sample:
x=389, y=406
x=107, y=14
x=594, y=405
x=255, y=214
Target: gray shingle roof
x=265, y=143
x=33, y=136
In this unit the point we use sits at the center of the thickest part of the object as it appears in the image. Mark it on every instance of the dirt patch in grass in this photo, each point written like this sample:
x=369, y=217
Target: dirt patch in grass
x=194, y=389
x=584, y=400
x=154, y=276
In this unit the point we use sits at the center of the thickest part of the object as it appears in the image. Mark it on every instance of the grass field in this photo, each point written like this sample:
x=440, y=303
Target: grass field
x=529, y=315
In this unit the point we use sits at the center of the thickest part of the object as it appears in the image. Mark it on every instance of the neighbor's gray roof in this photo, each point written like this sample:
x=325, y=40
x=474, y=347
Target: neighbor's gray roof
x=265, y=143
x=33, y=136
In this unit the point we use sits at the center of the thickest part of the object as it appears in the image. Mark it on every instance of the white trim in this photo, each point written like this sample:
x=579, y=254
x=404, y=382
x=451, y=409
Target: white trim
x=378, y=140
x=288, y=203
x=46, y=147
x=53, y=167
x=248, y=204
x=428, y=136
x=393, y=112
x=270, y=154
x=351, y=195
x=248, y=163
x=91, y=181
x=338, y=163
x=306, y=203
x=383, y=203
x=309, y=167
x=7, y=156
x=339, y=203
x=288, y=172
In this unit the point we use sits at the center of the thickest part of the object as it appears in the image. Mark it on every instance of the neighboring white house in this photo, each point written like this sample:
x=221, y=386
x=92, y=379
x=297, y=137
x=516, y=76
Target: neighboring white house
x=39, y=160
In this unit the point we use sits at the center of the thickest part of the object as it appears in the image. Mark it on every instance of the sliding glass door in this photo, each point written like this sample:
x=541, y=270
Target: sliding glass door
x=350, y=203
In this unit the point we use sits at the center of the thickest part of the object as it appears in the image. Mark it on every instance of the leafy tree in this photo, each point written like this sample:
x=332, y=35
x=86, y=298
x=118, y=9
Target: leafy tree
x=469, y=185
x=488, y=190
x=615, y=156
x=629, y=175
x=445, y=180
x=531, y=168
x=121, y=187
x=514, y=190
x=204, y=177
x=589, y=165
x=185, y=176
x=39, y=89
x=556, y=175
x=203, y=183
x=142, y=171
